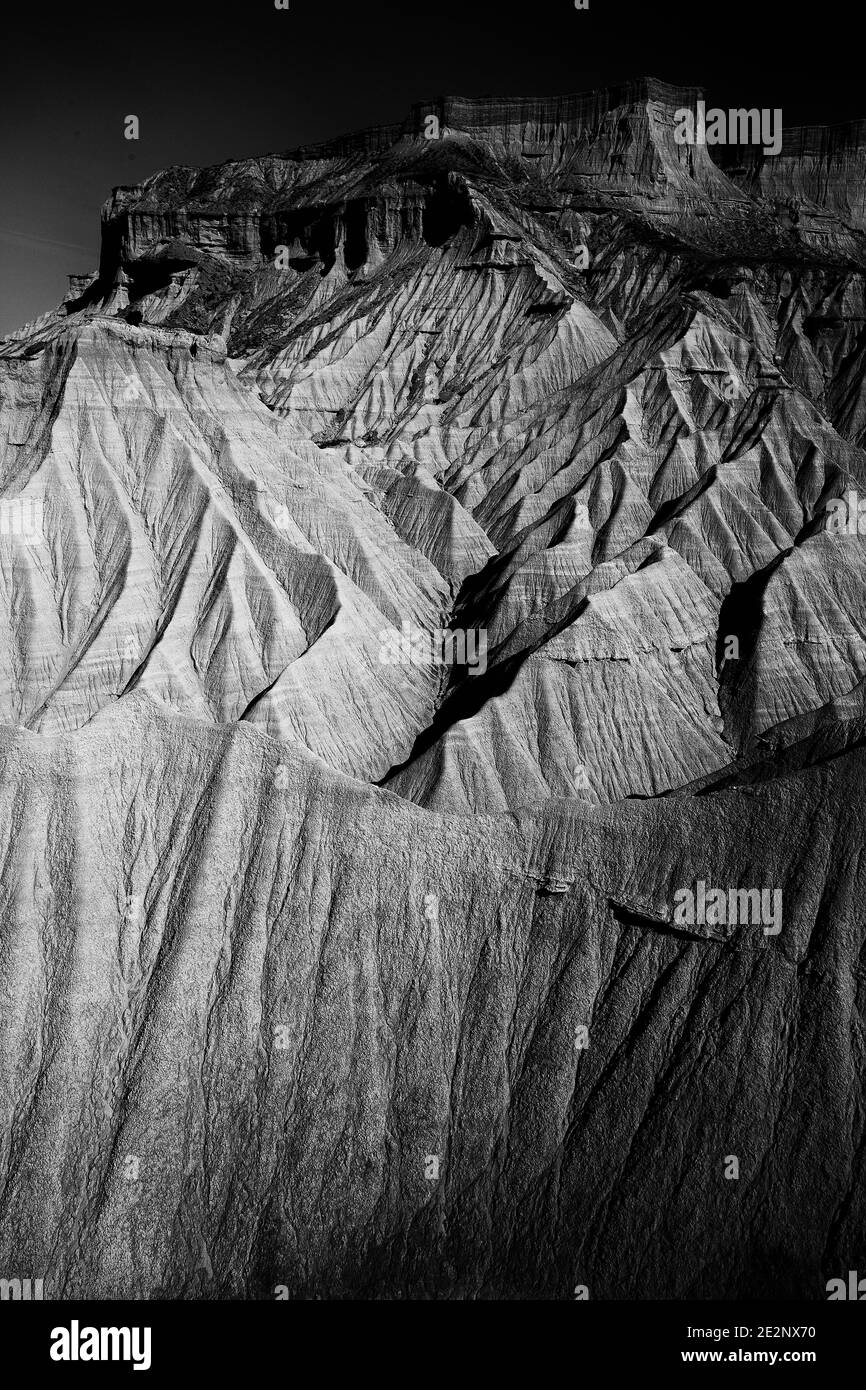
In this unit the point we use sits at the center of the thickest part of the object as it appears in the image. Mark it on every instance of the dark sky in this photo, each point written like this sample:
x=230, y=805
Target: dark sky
x=212, y=82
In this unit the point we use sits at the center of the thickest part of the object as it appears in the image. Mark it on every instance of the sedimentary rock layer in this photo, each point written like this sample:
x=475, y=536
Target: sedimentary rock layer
x=286, y=918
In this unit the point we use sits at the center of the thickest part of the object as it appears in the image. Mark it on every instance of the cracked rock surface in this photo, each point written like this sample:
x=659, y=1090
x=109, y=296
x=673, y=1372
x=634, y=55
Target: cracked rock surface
x=345, y=976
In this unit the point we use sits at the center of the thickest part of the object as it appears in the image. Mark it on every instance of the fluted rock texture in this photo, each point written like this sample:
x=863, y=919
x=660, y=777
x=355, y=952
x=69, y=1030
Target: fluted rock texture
x=337, y=975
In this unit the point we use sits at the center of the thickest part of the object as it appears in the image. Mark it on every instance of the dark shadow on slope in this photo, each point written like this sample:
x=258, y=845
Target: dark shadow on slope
x=629, y=917
x=257, y=700
x=446, y=211
x=826, y=746
x=92, y=295
x=356, y=247
x=669, y=510
x=740, y=619
x=151, y=276
x=462, y=702
x=469, y=697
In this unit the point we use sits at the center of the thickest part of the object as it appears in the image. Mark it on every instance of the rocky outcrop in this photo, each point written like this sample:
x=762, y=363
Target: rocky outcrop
x=332, y=966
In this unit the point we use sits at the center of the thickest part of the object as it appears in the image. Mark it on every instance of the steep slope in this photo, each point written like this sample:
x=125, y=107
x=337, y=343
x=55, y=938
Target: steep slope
x=292, y=908
x=189, y=548
x=284, y=995
x=550, y=347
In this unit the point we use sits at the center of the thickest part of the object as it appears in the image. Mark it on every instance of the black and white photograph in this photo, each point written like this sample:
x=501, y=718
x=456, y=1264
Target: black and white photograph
x=432, y=679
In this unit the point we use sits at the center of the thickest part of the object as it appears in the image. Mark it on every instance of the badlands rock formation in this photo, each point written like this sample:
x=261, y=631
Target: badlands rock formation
x=341, y=976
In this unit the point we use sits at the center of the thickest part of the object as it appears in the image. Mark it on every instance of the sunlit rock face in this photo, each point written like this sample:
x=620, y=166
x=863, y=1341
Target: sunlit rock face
x=422, y=558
